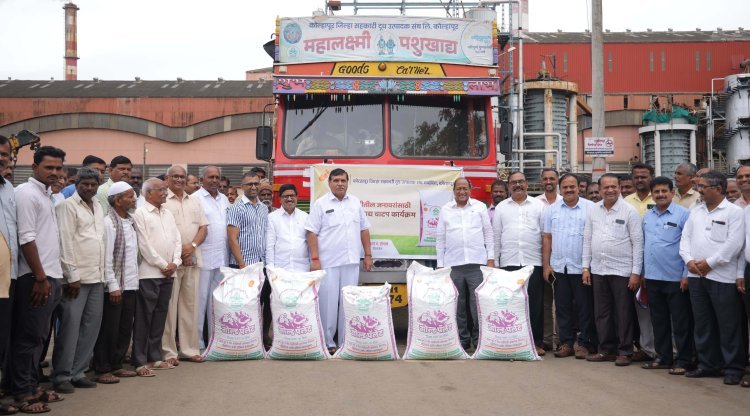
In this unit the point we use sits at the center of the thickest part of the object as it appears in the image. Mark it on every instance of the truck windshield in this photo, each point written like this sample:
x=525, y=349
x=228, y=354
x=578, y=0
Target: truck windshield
x=334, y=126
x=439, y=127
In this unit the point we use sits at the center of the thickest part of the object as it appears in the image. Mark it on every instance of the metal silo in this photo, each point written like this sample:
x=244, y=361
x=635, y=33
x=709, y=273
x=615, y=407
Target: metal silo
x=667, y=141
x=737, y=131
x=547, y=109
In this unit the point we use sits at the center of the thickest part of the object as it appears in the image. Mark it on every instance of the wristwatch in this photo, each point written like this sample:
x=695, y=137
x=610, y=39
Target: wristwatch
x=194, y=245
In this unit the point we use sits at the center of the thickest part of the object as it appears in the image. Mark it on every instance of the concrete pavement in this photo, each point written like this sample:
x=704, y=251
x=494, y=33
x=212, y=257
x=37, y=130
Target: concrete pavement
x=554, y=386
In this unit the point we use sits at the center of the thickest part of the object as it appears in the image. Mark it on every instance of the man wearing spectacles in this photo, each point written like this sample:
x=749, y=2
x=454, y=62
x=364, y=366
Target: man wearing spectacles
x=181, y=317
x=518, y=226
x=286, y=243
x=711, y=247
x=160, y=245
x=247, y=220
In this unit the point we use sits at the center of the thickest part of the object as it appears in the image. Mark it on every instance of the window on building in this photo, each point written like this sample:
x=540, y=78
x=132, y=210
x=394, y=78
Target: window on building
x=609, y=61
x=708, y=60
x=697, y=61
x=625, y=102
x=651, y=61
x=565, y=62
x=663, y=61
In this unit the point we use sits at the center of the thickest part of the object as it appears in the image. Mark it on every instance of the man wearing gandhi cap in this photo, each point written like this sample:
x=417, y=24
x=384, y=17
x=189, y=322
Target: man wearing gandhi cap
x=121, y=285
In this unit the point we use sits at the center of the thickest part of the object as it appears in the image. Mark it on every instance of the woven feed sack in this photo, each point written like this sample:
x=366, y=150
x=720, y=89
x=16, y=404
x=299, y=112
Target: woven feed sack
x=503, y=315
x=236, y=314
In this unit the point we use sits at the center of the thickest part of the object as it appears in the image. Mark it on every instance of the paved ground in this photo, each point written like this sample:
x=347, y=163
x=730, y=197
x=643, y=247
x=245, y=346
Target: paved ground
x=335, y=387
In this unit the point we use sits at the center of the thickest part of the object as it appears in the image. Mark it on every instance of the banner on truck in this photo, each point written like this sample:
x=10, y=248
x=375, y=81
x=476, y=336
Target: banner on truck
x=386, y=38
x=402, y=204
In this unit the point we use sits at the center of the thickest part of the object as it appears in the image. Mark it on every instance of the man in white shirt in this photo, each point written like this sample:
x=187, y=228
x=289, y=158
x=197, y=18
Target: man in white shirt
x=82, y=224
x=121, y=286
x=464, y=243
x=286, y=242
x=181, y=318
x=37, y=289
x=214, y=247
x=337, y=232
x=160, y=246
x=518, y=228
x=711, y=247
x=612, y=262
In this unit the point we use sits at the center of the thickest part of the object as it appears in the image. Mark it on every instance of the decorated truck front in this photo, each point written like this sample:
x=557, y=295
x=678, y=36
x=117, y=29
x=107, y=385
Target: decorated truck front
x=402, y=103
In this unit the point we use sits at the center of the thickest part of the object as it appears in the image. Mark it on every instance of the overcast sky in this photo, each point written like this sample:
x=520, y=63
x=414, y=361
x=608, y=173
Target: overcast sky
x=199, y=39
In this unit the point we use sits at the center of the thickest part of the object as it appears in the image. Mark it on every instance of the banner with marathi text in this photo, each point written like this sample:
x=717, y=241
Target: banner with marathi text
x=402, y=204
x=385, y=38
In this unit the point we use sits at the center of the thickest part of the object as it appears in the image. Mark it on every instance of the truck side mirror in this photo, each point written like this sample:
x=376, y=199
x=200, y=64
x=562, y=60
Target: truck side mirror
x=263, y=143
x=506, y=138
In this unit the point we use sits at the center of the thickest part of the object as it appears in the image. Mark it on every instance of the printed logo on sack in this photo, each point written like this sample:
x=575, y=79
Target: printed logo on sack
x=502, y=296
x=364, y=305
x=294, y=324
x=237, y=323
x=503, y=322
x=236, y=298
x=289, y=298
x=434, y=322
x=365, y=327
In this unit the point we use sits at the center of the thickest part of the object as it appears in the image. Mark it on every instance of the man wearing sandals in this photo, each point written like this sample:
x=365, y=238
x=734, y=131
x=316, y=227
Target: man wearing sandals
x=37, y=288
x=711, y=247
x=81, y=223
x=665, y=277
x=121, y=275
x=182, y=315
x=8, y=259
x=160, y=246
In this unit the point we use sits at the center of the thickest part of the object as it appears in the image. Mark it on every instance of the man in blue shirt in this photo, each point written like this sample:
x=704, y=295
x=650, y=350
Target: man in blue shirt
x=562, y=251
x=666, y=280
x=91, y=161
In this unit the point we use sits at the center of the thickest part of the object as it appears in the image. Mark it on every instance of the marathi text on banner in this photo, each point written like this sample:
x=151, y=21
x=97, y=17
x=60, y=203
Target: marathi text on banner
x=386, y=38
x=402, y=205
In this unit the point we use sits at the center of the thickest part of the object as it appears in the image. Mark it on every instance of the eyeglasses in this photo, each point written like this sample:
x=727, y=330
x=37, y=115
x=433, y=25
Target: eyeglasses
x=518, y=182
x=250, y=185
x=136, y=177
x=288, y=196
x=178, y=177
x=699, y=186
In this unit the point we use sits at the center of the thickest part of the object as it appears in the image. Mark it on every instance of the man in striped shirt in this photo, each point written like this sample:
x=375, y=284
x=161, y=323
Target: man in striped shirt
x=562, y=249
x=247, y=220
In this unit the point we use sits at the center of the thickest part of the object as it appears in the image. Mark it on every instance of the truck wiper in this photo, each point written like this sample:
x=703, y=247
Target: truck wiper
x=310, y=123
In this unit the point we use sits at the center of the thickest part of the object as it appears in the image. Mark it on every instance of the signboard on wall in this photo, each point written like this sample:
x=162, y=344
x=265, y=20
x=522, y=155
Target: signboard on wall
x=599, y=146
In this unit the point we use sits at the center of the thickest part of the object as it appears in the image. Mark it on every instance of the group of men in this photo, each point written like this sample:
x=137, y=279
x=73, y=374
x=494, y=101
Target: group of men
x=655, y=274
x=114, y=277
x=119, y=275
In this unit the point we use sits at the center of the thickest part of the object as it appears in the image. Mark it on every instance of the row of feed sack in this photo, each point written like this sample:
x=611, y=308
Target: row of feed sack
x=502, y=309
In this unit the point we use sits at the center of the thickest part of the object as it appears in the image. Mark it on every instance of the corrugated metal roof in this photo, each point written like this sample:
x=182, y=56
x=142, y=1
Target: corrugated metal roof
x=640, y=37
x=117, y=89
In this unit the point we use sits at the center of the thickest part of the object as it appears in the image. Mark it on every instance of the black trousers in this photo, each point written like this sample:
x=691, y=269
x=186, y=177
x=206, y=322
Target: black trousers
x=6, y=306
x=29, y=330
x=718, y=320
x=467, y=278
x=115, y=332
x=151, y=306
x=572, y=296
x=613, y=314
x=536, y=302
x=746, y=304
x=671, y=315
